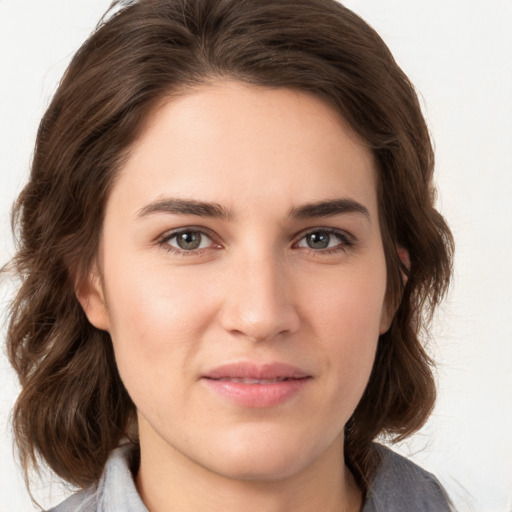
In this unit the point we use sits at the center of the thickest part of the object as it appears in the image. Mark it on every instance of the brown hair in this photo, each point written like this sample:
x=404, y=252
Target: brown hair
x=73, y=409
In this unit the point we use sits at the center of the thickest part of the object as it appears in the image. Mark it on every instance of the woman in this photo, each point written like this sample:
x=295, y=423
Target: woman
x=227, y=249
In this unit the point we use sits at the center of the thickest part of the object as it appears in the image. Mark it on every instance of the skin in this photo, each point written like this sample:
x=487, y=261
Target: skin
x=255, y=290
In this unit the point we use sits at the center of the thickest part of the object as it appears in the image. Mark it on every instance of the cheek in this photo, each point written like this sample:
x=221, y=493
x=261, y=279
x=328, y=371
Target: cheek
x=345, y=316
x=156, y=322
x=156, y=305
x=348, y=302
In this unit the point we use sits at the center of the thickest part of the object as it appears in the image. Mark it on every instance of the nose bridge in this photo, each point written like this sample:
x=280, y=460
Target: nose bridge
x=259, y=297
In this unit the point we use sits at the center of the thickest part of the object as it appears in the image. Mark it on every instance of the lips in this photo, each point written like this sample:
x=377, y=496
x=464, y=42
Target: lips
x=251, y=371
x=258, y=386
x=253, y=381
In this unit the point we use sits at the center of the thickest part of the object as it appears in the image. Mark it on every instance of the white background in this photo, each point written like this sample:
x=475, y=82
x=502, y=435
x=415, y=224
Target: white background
x=459, y=55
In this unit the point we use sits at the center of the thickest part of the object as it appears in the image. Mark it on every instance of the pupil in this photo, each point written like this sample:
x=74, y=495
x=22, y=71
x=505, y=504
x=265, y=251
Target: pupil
x=189, y=240
x=318, y=240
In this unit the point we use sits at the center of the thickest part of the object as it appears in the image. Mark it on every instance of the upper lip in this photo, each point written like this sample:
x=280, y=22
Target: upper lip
x=248, y=370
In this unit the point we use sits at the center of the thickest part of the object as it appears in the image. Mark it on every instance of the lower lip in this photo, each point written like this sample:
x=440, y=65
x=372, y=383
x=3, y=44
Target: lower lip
x=257, y=395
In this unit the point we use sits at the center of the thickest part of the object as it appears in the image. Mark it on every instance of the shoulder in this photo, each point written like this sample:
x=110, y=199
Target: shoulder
x=115, y=490
x=402, y=486
x=82, y=501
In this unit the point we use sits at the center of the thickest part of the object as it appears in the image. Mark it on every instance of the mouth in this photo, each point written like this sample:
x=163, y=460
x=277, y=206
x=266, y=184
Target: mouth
x=254, y=381
x=252, y=373
x=257, y=386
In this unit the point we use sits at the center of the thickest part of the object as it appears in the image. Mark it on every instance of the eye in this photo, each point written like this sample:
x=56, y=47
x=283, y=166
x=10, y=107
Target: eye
x=322, y=239
x=187, y=240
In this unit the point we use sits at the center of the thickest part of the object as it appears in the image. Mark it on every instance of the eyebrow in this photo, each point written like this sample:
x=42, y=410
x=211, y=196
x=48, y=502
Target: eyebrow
x=317, y=209
x=329, y=209
x=185, y=207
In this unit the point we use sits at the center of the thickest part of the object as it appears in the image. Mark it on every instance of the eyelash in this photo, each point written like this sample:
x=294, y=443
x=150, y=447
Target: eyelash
x=346, y=241
x=165, y=239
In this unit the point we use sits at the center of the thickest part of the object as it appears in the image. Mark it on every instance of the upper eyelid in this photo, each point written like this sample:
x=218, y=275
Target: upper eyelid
x=336, y=231
x=198, y=229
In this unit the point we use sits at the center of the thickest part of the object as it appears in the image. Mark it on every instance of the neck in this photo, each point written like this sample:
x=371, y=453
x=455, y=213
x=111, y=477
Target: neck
x=168, y=481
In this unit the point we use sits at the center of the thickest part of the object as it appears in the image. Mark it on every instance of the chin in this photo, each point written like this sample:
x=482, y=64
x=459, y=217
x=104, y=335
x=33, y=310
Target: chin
x=263, y=459
x=253, y=469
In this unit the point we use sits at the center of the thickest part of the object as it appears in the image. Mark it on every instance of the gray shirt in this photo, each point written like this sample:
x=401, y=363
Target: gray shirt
x=399, y=486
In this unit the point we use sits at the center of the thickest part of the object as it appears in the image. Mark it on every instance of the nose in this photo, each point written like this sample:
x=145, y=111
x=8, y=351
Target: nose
x=259, y=303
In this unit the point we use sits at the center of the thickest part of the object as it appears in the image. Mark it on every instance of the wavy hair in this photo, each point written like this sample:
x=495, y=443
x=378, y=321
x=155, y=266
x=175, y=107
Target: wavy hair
x=73, y=409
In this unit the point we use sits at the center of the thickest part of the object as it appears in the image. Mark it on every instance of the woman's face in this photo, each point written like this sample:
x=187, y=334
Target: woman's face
x=243, y=279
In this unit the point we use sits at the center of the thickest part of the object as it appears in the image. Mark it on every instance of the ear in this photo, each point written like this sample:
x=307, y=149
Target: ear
x=386, y=318
x=387, y=312
x=90, y=294
x=403, y=254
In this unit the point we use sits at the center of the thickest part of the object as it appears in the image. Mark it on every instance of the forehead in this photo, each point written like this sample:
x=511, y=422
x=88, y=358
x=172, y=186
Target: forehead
x=229, y=142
